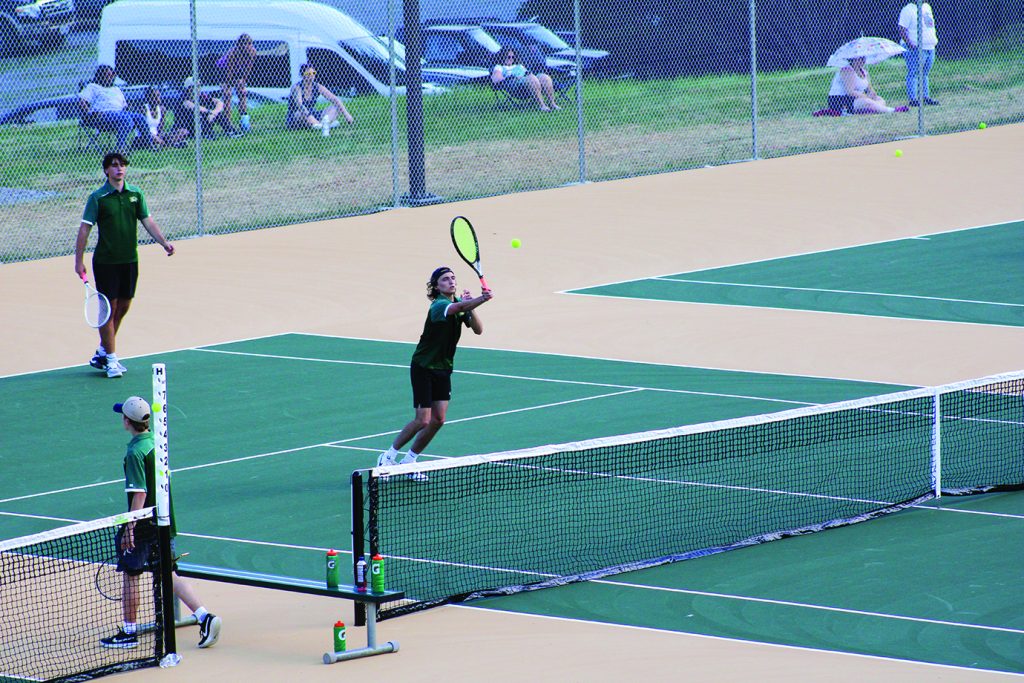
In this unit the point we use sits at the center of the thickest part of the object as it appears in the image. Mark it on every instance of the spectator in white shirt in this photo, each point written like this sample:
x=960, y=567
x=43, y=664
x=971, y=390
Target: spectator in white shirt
x=103, y=106
x=908, y=23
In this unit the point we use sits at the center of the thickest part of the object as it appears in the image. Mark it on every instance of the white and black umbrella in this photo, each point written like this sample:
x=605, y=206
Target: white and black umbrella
x=873, y=50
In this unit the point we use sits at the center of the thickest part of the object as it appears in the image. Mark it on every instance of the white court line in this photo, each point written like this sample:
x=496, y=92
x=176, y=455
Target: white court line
x=806, y=253
x=808, y=311
x=727, y=639
x=335, y=442
x=824, y=608
x=525, y=378
x=837, y=291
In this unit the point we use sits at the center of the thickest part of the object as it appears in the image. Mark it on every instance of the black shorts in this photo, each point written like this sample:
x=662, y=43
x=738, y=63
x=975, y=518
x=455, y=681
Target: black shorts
x=840, y=103
x=116, y=280
x=429, y=386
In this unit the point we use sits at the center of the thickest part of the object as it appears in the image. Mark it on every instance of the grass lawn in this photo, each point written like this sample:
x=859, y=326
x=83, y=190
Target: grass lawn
x=473, y=147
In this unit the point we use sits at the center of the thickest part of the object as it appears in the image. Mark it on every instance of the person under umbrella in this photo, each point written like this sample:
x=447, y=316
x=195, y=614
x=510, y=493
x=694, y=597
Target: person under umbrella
x=851, y=89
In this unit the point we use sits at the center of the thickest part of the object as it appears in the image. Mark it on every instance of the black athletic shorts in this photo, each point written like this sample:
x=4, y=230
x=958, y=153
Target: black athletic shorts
x=429, y=386
x=116, y=280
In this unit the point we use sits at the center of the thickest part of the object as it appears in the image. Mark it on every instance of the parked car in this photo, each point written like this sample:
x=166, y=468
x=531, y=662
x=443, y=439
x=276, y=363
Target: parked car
x=89, y=11
x=149, y=41
x=529, y=34
x=30, y=24
x=444, y=74
x=471, y=45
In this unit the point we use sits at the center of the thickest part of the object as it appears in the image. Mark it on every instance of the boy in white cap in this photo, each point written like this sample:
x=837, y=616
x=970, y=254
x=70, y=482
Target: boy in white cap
x=140, y=485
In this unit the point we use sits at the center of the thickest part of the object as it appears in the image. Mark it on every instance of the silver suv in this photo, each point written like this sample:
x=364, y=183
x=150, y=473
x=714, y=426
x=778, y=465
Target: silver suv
x=28, y=24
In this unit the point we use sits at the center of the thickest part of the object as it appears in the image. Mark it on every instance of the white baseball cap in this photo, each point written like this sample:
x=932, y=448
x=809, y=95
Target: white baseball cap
x=134, y=408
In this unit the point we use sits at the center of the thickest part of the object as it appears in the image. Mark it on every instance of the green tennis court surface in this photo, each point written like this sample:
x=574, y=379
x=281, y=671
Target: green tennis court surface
x=967, y=276
x=264, y=434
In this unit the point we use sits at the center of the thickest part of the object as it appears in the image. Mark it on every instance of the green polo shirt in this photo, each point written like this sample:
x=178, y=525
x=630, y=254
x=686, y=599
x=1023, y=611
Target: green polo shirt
x=441, y=333
x=116, y=215
x=140, y=472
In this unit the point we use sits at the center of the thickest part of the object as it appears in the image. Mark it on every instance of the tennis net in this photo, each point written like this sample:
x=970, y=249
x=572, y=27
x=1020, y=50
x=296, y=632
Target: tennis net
x=502, y=523
x=60, y=593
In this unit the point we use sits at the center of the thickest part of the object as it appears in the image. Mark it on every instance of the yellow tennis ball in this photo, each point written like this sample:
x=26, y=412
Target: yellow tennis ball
x=982, y=125
x=898, y=152
x=516, y=243
x=157, y=408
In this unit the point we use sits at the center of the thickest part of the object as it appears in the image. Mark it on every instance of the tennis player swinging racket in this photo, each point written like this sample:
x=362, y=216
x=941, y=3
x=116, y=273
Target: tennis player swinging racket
x=433, y=359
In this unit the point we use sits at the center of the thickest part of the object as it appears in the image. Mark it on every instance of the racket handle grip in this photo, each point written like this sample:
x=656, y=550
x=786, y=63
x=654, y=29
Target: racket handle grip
x=483, y=282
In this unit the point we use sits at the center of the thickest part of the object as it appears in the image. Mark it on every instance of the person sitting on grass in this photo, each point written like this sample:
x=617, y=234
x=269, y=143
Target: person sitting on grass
x=211, y=111
x=154, y=111
x=302, y=111
x=851, y=91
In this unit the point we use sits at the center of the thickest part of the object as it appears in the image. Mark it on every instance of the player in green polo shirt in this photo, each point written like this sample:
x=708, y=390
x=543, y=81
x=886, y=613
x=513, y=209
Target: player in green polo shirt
x=116, y=210
x=136, y=538
x=432, y=364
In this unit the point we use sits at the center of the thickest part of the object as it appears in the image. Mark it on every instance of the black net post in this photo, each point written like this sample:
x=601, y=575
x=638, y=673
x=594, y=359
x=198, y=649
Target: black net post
x=358, y=537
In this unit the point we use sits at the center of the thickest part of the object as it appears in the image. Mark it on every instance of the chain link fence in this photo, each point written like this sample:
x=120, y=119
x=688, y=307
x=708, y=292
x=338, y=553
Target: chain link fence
x=303, y=110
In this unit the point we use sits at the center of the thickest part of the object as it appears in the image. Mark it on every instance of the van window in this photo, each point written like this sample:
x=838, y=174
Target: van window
x=337, y=75
x=442, y=49
x=170, y=61
x=372, y=55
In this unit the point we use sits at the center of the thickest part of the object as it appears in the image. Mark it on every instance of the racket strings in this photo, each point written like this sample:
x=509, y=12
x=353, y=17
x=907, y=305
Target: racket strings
x=97, y=309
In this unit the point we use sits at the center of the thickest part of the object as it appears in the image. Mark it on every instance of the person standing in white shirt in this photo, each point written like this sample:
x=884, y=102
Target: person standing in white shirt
x=908, y=24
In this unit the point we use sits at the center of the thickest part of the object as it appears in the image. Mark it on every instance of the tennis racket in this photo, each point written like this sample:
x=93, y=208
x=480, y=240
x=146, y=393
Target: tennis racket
x=97, y=306
x=109, y=582
x=464, y=239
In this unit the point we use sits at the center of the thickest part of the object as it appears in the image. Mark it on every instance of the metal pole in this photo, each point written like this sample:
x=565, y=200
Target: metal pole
x=920, y=68
x=753, y=79
x=358, y=535
x=196, y=126
x=393, y=97
x=418, y=194
x=581, y=142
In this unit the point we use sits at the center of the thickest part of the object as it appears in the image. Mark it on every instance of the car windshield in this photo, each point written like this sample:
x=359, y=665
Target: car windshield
x=545, y=36
x=485, y=39
x=372, y=55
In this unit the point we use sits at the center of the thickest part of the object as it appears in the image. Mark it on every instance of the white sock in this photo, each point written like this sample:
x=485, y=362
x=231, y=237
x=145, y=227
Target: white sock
x=100, y=351
x=200, y=613
x=111, y=358
x=129, y=627
x=409, y=457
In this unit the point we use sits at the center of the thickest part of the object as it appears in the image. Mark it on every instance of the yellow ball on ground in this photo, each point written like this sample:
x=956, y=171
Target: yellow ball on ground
x=982, y=125
x=898, y=152
x=516, y=243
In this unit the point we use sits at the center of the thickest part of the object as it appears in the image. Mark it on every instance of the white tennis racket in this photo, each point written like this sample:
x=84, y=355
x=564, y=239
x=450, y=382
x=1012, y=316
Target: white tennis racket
x=97, y=306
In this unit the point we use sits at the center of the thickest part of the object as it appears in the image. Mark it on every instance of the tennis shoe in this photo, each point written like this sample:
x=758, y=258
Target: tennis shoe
x=384, y=460
x=120, y=640
x=114, y=370
x=99, y=362
x=420, y=477
x=209, y=630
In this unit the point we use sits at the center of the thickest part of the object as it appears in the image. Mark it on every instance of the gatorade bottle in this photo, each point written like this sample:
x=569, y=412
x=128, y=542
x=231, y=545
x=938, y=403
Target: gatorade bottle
x=339, y=636
x=377, y=573
x=361, y=575
x=333, y=574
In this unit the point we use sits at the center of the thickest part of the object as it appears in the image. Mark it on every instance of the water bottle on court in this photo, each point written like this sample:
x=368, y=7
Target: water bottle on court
x=361, y=575
x=339, y=636
x=333, y=572
x=377, y=573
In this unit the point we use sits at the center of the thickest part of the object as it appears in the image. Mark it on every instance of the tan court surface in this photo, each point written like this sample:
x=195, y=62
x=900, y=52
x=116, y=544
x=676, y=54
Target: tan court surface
x=363, y=277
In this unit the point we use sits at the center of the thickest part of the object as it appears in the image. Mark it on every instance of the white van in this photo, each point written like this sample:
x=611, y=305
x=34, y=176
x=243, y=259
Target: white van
x=148, y=42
